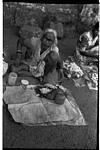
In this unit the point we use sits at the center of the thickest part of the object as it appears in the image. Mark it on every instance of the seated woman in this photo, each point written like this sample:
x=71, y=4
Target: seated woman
x=44, y=52
x=53, y=72
x=87, y=51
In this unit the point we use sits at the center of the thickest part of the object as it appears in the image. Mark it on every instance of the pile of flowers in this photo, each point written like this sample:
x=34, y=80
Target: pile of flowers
x=45, y=90
x=72, y=69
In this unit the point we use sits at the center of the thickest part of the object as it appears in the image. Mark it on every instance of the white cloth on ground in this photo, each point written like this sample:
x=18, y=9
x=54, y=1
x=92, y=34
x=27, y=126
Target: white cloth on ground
x=29, y=109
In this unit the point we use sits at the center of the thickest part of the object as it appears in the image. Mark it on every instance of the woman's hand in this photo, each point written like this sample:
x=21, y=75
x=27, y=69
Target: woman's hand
x=95, y=49
x=60, y=75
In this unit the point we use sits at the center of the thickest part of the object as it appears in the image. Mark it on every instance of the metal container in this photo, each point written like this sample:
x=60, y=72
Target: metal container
x=12, y=78
x=24, y=84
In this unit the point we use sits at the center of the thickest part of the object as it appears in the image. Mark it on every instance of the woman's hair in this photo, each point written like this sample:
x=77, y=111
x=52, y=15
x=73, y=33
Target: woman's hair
x=51, y=31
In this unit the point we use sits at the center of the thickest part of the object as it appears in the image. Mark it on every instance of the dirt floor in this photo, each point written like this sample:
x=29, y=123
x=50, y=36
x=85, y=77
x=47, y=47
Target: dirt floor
x=68, y=137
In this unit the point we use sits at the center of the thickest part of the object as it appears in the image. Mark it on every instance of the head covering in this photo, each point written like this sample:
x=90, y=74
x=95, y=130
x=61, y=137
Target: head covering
x=54, y=33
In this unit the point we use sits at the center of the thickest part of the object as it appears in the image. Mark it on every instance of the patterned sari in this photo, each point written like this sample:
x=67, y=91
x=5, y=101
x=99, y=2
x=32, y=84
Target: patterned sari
x=37, y=64
x=90, y=42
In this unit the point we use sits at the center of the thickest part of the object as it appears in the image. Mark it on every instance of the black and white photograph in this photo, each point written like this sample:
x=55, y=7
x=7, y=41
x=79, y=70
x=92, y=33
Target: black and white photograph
x=50, y=75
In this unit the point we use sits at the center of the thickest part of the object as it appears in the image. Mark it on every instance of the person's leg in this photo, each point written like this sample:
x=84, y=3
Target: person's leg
x=17, y=69
x=51, y=77
x=24, y=73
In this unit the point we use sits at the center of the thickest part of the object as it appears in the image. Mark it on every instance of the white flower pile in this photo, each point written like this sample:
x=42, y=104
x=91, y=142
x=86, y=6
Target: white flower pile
x=45, y=90
x=72, y=67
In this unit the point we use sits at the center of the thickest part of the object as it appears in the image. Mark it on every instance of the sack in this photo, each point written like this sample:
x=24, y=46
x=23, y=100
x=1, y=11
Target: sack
x=60, y=30
x=28, y=31
x=57, y=95
x=60, y=97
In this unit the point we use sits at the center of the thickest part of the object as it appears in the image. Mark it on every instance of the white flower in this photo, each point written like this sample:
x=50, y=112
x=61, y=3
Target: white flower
x=50, y=86
x=45, y=90
x=61, y=87
x=72, y=67
x=75, y=68
x=78, y=75
x=69, y=75
x=95, y=77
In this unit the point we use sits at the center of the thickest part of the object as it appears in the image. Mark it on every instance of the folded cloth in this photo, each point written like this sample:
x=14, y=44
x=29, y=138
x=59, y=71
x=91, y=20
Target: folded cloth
x=17, y=95
x=41, y=111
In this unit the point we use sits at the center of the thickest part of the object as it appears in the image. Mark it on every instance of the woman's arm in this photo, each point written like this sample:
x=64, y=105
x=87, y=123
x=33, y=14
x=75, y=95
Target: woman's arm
x=50, y=62
x=94, y=52
x=55, y=57
x=59, y=63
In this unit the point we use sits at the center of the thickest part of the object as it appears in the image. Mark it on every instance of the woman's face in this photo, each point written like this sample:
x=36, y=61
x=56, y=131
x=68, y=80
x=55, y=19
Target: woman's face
x=48, y=40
